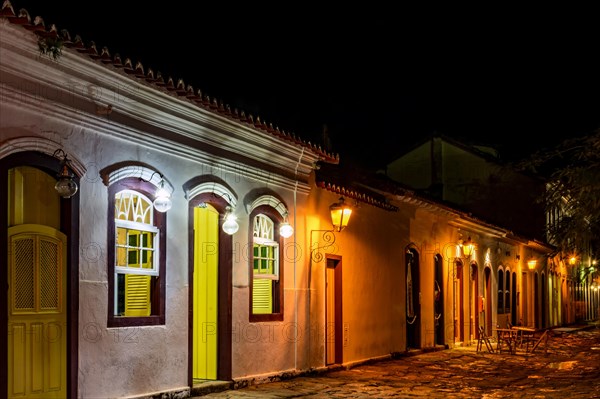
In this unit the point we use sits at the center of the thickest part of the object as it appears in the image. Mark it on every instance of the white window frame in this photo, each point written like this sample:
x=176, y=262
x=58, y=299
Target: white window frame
x=131, y=225
x=153, y=271
x=260, y=239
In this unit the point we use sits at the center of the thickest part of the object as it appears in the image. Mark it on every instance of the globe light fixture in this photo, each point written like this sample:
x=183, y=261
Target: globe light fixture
x=286, y=230
x=162, y=201
x=230, y=225
x=66, y=185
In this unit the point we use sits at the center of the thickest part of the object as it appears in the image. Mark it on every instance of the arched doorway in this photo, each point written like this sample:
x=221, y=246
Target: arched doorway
x=438, y=301
x=488, y=301
x=475, y=301
x=39, y=240
x=513, y=293
x=536, y=308
x=413, y=306
x=544, y=301
x=459, y=312
x=210, y=279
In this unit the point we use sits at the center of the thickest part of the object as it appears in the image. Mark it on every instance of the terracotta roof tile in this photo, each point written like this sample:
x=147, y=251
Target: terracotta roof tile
x=117, y=62
x=38, y=25
x=190, y=93
x=198, y=99
x=93, y=51
x=105, y=56
x=128, y=66
x=206, y=102
x=78, y=44
x=221, y=108
x=160, y=81
x=22, y=18
x=139, y=70
x=180, y=89
x=7, y=10
x=66, y=38
x=51, y=33
x=170, y=84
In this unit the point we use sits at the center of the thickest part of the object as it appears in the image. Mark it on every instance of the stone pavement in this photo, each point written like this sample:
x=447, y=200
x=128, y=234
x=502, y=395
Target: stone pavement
x=569, y=368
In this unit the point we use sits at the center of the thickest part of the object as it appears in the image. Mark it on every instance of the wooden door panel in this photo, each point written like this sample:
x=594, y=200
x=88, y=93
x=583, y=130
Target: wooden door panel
x=37, y=316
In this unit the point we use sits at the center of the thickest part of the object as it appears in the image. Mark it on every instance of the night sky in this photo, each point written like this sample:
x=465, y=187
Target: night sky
x=377, y=81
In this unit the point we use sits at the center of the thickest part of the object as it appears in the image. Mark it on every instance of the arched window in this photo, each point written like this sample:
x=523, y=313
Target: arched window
x=500, y=291
x=507, y=292
x=266, y=274
x=136, y=263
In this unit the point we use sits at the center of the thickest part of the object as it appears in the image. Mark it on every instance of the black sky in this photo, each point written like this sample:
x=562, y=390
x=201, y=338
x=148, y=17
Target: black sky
x=379, y=78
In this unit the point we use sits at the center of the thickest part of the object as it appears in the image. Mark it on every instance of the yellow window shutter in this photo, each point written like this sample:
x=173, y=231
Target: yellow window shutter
x=137, y=295
x=262, y=297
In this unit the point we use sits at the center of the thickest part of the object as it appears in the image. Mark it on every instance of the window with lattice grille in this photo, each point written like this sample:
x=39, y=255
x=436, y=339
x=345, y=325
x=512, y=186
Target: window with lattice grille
x=36, y=274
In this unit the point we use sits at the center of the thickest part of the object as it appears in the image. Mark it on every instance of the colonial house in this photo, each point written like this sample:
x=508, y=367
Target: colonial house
x=141, y=235
x=460, y=272
x=475, y=180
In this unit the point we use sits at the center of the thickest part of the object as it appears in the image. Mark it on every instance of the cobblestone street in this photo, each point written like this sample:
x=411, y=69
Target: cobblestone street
x=569, y=368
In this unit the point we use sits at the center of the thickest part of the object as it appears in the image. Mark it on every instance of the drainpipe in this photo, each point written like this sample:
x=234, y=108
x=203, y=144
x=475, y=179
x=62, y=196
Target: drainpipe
x=295, y=290
x=295, y=263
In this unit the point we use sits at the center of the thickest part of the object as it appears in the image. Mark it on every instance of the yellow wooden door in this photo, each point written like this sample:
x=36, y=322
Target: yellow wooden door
x=205, y=323
x=37, y=320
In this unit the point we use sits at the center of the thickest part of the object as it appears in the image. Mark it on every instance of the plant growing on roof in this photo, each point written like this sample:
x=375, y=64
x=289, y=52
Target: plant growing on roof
x=51, y=46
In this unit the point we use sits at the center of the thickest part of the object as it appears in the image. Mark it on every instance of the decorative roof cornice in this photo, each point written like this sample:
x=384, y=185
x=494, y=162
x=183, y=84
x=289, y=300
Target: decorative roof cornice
x=358, y=195
x=156, y=81
x=335, y=179
x=382, y=192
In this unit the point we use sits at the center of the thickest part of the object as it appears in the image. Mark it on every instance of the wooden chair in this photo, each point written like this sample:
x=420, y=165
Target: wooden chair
x=483, y=338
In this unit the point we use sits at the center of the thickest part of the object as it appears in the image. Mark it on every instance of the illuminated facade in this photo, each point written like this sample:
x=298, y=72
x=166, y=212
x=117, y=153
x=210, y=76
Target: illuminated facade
x=169, y=266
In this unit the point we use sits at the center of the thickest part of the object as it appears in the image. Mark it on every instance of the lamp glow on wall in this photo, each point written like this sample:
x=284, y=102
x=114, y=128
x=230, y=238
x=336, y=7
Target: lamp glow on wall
x=340, y=214
x=66, y=185
x=531, y=264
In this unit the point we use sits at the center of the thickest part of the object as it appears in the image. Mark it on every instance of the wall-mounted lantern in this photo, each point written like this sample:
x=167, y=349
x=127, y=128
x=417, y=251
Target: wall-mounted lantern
x=66, y=185
x=230, y=225
x=162, y=201
x=531, y=264
x=340, y=214
x=285, y=229
x=572, y=260
x=467, y=247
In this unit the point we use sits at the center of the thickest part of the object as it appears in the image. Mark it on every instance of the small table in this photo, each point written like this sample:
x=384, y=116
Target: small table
x=525, y=335
x=507, y=336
